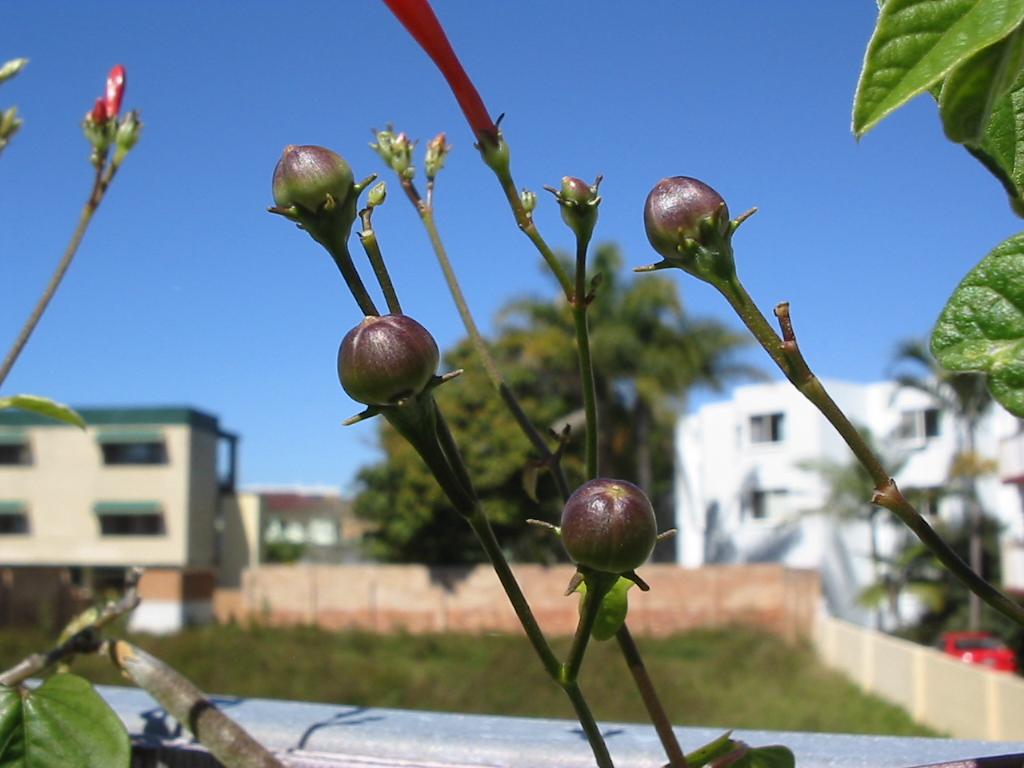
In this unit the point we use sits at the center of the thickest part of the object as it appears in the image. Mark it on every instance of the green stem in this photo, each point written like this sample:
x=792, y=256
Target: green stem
x=787, y=355
x=99, y=189
x=480, y=346
x=525, y=223
x=655, y=711
x=368, y=239
x=337, y=245
x=590, y=728
x=597, y=585
x=421, y=423
x=579, y=304
x=482, y=528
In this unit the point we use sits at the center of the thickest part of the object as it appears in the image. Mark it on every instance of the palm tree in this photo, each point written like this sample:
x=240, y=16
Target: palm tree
x=648, y=355
x=965, y=396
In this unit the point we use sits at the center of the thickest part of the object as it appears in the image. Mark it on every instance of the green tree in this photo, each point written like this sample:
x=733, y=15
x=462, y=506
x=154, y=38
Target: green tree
x=966, y=398
x=640, y=332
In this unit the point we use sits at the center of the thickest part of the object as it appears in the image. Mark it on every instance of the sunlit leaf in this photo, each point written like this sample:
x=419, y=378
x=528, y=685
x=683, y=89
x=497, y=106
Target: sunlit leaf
x=1002, y=147
x=61, y=724
x=43, y=407
x=972, y=90
x=982, y=325
x=916, y=43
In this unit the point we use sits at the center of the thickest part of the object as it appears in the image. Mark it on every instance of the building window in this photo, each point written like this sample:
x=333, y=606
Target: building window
x=766, y=505
x=14, y=450
x=128, y=448
x=919, y=424
x=767, y=428
x=13, y=518
x=130, y=518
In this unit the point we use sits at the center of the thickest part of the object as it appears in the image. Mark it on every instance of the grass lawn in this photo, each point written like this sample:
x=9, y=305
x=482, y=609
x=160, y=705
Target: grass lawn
x=737, y=677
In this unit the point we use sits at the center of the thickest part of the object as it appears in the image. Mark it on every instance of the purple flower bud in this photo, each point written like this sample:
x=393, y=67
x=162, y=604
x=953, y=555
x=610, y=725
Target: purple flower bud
x=609, y=525
x=385, y=359
x=306, y=175
x=675, y=209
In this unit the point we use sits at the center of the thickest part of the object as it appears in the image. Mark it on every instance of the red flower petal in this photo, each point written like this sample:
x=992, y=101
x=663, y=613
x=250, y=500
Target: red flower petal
x=115, y=91
x=418, y=17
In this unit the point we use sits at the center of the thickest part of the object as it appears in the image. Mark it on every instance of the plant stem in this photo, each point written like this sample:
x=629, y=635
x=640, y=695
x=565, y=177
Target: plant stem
x=597, y=586
x=85, y=640
x=421, y=423
x=482, y=528
x=659, y=718
x=579, y=303
x=524, y=220
x=786, y=354
x=426, y=213
x=223, y=737
x=525, y=223
x=99, y=189
x=337, y=245
x=368, y=239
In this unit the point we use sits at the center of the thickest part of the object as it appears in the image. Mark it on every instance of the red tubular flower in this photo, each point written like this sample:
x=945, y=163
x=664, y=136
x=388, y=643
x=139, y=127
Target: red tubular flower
x=115, y=91
x=418, y=17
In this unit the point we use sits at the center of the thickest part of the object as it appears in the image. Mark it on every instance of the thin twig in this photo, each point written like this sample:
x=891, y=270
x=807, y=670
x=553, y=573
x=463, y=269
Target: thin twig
x=85, y=640
x=99, y=188
x=368, y=239
x=787, y=355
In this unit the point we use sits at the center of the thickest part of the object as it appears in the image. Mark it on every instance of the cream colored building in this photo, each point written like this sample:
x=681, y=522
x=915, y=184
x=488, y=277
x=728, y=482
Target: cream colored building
x=139, y=486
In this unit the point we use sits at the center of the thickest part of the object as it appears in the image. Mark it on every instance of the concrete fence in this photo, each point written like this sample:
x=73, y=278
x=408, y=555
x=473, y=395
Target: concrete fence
x=965, y=701
x=412, y=598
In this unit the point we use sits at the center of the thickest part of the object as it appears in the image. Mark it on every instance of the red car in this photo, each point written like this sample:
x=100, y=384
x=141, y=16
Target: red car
x=982, y=648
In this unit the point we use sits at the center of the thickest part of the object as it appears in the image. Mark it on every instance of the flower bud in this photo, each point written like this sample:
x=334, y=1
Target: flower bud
x=578, y=202
x=10, y=68
x=306, y=175
x=377, y=194
x=528, y=199
x=609, y=525
x=395, y=149
x=687, y=222
x=437, y=152
x=127, y=135
x=674, y=211
x=386, y=359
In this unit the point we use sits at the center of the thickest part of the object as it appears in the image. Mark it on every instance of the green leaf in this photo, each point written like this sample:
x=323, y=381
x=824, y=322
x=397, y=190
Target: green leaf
x=1002, y=147
x=44, y=407
x=612, y=613
x=916, y=43
x=971, y=91
x=982, y=326
x=766, y=757
x=61, y=724
x=711, y=751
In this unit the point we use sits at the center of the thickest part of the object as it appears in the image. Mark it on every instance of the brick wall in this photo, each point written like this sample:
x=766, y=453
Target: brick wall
x=414, y=598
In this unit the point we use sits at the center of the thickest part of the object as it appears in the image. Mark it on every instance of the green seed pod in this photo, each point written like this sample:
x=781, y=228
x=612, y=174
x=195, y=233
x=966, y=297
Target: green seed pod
x=306, y=175
x=675, y=209
x=385, y=359
x=609, y=525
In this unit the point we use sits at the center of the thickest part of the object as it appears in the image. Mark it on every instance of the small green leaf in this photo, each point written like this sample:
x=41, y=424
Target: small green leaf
x=916, y=43
x=61, y=724
x=44, y=407
x=766, y=757
x=971, y=91
x=612, y=613
x=981, y=327
x=711, y=751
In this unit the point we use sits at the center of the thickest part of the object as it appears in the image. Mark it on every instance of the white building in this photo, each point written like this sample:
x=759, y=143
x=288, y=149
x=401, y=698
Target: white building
x=743, y=496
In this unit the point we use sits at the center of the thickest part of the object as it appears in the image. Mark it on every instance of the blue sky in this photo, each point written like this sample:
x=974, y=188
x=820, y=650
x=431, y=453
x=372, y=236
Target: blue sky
x=186, y=291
